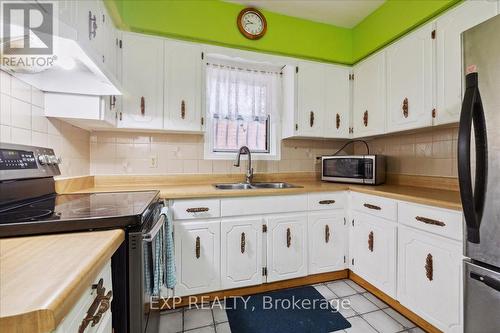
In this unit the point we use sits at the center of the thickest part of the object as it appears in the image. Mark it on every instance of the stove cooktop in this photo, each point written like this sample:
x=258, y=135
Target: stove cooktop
x=68, y=212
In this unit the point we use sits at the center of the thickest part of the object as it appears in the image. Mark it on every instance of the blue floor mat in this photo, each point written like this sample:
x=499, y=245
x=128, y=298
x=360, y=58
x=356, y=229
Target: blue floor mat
x=277, y=312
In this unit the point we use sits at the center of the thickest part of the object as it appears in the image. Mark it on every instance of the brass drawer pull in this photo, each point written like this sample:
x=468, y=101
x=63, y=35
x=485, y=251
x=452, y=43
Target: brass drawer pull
x=405, y=107
x=370, y=241
x=288, y=237
x=429, y=267
x=365, y=118
x=370, y=206
x=327, y=233
x=143, y=106
x=326, y=202
x=311, y=119
x=183, y=109
x=197, y=210
x=337, y=121
x=243, y=242
x=197, y=247
x=101, y=304
x=430, y=221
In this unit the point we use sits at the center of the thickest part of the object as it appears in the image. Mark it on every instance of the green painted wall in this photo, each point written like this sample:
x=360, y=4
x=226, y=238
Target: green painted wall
x=392, y=20
x=214, y=22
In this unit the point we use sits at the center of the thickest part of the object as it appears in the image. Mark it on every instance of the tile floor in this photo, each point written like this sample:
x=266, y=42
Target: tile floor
x=367, y=314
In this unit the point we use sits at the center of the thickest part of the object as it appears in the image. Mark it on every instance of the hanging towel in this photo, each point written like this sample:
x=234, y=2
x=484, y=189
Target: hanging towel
x=159, y=261
x=170, y=278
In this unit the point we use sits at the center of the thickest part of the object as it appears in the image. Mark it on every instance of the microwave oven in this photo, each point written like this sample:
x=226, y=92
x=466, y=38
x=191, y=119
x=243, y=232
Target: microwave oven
x=359, y=169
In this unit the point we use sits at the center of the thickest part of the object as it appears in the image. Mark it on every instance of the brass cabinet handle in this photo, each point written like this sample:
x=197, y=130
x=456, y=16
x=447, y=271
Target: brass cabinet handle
x=429, y=267
x=197, y=247
x=327, y=233
x=326, y=202
x=370, y=206
x=197, y=209
x=365, y=118
x=405, y=107
x=243, y=242
x=100, y=304
x=337, y=121
x=183, y=109
x=92, y=26
x=143, y=106
x=430, y=221
x=288, y=237
x=311, y=119
x=370, y=241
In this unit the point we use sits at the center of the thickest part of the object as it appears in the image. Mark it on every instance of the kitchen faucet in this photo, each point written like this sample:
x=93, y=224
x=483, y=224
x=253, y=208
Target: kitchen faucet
x=249, y=174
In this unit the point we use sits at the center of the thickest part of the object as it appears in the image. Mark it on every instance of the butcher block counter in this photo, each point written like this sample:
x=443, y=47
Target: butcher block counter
x=42, y=277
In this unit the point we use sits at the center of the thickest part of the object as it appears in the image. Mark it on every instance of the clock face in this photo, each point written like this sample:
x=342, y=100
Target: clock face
x=252, y=23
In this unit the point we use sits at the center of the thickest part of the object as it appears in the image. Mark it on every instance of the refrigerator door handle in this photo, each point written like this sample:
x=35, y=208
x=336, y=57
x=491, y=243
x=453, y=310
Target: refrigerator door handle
x=487, y=280
x=472, y=197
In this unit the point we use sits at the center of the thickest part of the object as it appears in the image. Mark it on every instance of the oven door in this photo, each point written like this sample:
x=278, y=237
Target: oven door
x=144, y=308
x=347, y=169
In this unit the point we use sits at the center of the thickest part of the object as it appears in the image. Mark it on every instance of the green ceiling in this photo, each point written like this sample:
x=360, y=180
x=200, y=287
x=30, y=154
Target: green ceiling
x=214, y=22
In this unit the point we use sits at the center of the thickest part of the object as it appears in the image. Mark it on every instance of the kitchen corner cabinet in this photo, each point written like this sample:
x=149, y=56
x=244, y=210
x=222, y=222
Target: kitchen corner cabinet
x=369, y=101
x=286, y=246
x=449, y=67
x=373, y=247
x=316, y=101
x=197, y=256
x=182, y=90
x=327, y=241
x=410, y=81
x=142, y=80
x=430, y=277
x=241, y=252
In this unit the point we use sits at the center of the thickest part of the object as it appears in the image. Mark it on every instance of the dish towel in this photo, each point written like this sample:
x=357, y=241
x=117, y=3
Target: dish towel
x=170, y=277
x=159, y=261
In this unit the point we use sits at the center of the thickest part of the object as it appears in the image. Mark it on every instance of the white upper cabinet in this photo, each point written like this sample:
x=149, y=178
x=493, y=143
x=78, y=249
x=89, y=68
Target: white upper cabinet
x=409, y=81
x=449, y=69
x=337, y=102
x=369, y=99
x=182, y=86
x=142, y=80
x=316, y=100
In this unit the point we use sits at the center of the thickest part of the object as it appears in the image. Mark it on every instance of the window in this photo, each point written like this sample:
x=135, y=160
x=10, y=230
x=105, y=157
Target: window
x=243, y=109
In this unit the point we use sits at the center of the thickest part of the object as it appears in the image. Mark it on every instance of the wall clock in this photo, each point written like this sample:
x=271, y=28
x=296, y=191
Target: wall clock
x=251, y=23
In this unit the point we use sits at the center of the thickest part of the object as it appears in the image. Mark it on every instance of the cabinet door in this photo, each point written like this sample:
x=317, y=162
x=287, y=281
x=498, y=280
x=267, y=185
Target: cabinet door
x=409, y=81
x=142, y=79
x=90, y=28
x=197, y=256
x=430, y=278
x=449, y=69
x=327, y=238
x=286, y=247
x=310, y=100
x=337, y=106
x=241, y=252
x=108, y=49
x=369, y=96
x=182, y=86
x=374, y=251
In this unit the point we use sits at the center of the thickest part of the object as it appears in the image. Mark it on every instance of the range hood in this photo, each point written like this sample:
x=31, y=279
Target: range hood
x=67, y=70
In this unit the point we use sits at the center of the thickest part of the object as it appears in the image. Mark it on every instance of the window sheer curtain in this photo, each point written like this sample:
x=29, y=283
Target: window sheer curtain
x=242, y=104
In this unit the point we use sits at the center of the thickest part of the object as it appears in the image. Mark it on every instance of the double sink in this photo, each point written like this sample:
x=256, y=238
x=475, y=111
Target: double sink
x=251, y=186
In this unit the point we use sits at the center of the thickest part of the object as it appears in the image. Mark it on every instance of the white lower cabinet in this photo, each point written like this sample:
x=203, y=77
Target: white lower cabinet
x=241, y=252
x=197, y=256
x=328, y=239
x=373, y=246
x=430, y=278
x=286, y=246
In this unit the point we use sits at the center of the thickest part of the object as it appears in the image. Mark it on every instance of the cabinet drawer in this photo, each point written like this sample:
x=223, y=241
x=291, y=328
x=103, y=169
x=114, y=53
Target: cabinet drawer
x=374, y=205
x=323, y=201
x=440, y=221
x=196, y=209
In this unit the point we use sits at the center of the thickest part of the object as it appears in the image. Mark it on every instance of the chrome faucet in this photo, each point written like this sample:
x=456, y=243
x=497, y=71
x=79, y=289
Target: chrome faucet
x=249, y=174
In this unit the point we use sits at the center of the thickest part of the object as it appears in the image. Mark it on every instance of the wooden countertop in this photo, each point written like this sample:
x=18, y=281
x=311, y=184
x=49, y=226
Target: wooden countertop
x=42, y=277
x=423, y=195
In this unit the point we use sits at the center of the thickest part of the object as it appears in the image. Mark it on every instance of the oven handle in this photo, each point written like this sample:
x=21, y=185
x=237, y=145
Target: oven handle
x=148, y=237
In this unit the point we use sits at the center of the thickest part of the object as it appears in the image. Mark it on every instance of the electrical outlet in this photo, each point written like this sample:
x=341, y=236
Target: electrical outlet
x=153, y=161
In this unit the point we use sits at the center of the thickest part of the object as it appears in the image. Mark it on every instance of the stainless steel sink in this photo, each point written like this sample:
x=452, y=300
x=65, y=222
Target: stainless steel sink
x=245, y=186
